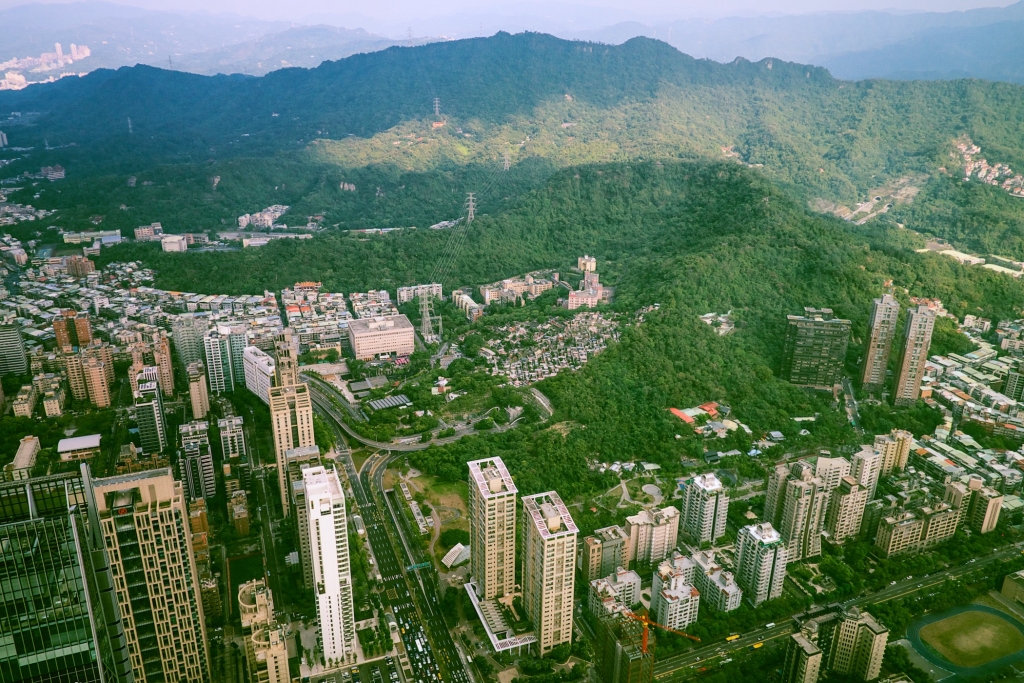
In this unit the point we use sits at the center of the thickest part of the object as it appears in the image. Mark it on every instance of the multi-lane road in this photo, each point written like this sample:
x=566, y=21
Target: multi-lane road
x=679, y=666
x=431, y=652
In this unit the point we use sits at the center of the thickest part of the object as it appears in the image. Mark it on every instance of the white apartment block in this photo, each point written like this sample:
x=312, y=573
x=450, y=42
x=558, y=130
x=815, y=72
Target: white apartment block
x=705, y=508
x=677, y=608
x=674, y=599
x=259, y=372
x=761, y=557
x=372, y=337
x=549, y=568
x=718, y=588
x=615, y=591
x=232, y=436
x=652, y=534
x=328, y=542
x=492, y=528
x=866, y=468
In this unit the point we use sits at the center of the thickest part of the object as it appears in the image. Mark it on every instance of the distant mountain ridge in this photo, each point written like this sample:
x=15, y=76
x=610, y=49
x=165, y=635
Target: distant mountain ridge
x=855, y=45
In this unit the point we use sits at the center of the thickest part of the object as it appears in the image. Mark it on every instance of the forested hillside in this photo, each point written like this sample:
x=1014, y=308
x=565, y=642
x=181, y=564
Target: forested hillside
x=206, y=150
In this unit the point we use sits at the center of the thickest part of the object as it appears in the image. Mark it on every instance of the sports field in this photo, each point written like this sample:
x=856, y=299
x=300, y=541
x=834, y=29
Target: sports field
x=973, y=638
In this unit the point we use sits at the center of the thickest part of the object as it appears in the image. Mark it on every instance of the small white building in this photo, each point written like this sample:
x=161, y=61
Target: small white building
x=176, y=243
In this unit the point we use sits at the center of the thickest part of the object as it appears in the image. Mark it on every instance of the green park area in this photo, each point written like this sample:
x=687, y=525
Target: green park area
x=972, y=638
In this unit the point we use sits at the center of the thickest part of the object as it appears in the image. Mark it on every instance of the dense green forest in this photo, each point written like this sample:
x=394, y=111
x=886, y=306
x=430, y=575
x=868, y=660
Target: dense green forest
x=692, y=238
x=294, y=136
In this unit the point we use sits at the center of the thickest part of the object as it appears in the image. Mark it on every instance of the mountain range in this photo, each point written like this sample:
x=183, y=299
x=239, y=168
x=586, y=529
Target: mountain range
x=983, y=43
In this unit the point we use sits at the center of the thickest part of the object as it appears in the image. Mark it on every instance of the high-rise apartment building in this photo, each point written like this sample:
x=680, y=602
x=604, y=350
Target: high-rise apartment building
x=718, y=588
x=146, y=530
x=259, y=372
x=917, y=338
x=866, y=468
x=895, y=450
x=652, y=534
x=1013, y=386
x=266, y=651
x=80, y=266
x=899, y=533
x=881, y=331
x=197, y=393
x=219, y=369
x=286, y=358
x=845, y=510
x=162, y=360
x=492, y=528
x=604, y=552
x=815, y=348
x=983, y=512
x=332, y=577
x=831, y=470
x=197, y=460
x=802, y=515
x=58, y=619
x=674, y=598
x=619, y=655
x=705, y=507
x=13, y=360
x=761, y=558
x=844, y=641
x=232, y=437
x=188, y=331
x=803, y=657
x=72, y=328
x=299, y=460
x=97, y=386
x=149, y=414
x=291, y=419
x=549, y=568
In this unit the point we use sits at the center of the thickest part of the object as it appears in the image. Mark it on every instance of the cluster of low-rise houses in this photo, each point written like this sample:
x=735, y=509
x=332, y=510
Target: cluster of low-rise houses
x=10, y=214
x=998, y=174
x=527, y=352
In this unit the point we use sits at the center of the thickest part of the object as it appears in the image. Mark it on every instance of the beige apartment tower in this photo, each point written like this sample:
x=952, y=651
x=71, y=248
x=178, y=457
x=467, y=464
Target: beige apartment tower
x=804, y=504
x=146, y=530
x=197, y=393
x=884, y=314
x=492, y=528
x=895, y=450
x=291, y=419
x=917, y=337
x=846, y=510
x=286, y=358
x=549, y=568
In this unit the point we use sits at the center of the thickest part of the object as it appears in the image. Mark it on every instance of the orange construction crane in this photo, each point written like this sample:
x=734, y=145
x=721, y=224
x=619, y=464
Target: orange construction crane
x=648, y=622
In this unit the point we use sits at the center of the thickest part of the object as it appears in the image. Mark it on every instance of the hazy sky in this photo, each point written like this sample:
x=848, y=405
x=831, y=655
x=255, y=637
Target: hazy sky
x=399, y=10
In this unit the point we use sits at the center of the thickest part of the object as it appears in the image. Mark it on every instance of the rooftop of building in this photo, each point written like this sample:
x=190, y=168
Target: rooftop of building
x=764, y=532
x=708, y=482
x=378, y=323
x=549, y=515
x=320, y=481
x=76, y=443
x=491, y=477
